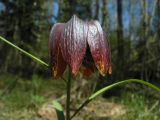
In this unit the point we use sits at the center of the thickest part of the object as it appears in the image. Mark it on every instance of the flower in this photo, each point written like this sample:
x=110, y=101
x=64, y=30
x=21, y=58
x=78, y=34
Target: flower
x=77, y=42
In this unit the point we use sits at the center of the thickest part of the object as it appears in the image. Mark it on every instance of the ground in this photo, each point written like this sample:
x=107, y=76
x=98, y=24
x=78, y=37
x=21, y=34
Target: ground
x=23, y=99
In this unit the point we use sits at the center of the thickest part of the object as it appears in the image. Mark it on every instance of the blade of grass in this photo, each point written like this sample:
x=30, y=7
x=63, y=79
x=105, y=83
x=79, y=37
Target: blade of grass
x=24, y=52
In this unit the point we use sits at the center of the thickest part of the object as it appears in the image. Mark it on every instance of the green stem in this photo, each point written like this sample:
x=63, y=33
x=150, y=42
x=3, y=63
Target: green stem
x=107, y=88
x=24, y=52
x=68, y=96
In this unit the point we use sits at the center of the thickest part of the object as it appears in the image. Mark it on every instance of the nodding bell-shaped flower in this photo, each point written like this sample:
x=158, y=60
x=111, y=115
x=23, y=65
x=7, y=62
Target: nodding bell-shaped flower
x=77, y=42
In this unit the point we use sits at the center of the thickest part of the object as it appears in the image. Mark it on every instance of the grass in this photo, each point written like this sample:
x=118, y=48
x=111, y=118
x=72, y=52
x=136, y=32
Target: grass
x=21, y=98
x=140, y=105
x=26, y=96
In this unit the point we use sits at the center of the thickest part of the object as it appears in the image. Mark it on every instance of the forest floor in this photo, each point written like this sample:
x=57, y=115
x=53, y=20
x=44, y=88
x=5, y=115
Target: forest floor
x=23, y=99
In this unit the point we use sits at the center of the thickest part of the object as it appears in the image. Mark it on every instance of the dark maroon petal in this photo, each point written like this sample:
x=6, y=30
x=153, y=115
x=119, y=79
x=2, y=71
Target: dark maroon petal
x=57, y=62
x=73, y=43
x=99, y=48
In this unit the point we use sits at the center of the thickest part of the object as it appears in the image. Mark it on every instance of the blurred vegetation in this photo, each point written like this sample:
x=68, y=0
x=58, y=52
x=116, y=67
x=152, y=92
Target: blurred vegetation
x=24, y=23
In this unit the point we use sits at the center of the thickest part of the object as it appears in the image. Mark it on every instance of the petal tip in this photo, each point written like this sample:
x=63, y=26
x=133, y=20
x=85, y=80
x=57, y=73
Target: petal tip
x=110, y=70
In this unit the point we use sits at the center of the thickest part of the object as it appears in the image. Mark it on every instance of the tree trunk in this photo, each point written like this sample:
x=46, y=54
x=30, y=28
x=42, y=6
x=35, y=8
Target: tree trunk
x=120, y=42
x=144, y=40
x=105, y=22
x=156, y=25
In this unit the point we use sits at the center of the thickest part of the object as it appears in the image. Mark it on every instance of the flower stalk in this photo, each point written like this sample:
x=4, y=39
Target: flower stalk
x=68, y=96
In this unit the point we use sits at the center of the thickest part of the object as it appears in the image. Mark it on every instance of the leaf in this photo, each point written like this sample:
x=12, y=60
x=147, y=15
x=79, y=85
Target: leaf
x=24, y=52
x=59, y=110
x=101, y=91
x=107, y=88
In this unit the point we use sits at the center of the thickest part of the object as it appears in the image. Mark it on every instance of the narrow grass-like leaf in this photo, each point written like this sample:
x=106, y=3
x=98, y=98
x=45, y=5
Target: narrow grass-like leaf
x=105, y=89
x=59, y=110
x=101, y=91
x=24, y=52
